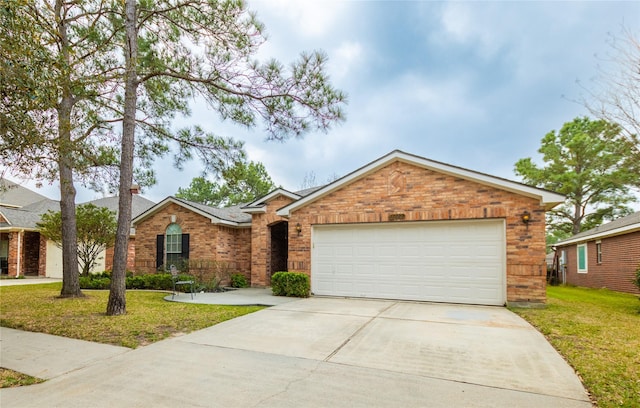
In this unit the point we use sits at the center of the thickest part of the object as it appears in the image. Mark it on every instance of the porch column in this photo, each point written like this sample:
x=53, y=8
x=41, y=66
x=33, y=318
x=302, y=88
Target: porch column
x=15, y=259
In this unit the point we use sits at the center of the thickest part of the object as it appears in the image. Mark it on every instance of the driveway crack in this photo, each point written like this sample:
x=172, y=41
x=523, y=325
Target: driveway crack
x=289, y=384
x=344, y=343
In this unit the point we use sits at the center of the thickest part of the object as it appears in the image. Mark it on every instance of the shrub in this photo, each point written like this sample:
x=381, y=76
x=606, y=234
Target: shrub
x=238, y=280
x=89, y=282
x=636, y=280
x=136, y=282
x=294, y=284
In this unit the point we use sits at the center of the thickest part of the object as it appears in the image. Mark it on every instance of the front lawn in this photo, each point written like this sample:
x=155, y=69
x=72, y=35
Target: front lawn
x=149, y=317
x=598, y=332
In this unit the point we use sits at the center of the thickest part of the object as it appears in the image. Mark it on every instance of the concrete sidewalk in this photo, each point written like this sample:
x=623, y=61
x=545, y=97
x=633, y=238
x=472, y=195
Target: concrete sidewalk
x=29, y=280
x=321, y=352
x=46, y=356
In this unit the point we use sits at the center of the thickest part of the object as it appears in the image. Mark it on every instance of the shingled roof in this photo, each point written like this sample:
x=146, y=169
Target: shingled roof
x=138, y=204
x=14, y=195
x=623, y=225
x=227, y=215
x=21, y=212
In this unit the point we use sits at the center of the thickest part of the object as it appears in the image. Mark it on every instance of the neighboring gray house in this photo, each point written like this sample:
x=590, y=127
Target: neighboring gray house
x=23, y=251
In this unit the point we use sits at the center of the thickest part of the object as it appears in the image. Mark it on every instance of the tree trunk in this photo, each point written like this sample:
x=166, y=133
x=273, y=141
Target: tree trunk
x=577, y=216
x=117, y=299
x=70, y=273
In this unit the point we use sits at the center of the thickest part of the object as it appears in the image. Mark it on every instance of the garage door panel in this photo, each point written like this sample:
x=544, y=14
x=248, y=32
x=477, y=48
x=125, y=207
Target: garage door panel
x=460, y=262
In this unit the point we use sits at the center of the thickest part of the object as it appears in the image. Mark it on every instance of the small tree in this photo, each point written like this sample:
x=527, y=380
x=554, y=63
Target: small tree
x=96, y=232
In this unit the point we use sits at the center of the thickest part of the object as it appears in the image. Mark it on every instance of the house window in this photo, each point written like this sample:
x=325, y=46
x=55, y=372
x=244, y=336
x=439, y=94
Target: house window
x=171, y=247
x=582, y=258
x=598, y=252
x=4, y=256
x=173, y=244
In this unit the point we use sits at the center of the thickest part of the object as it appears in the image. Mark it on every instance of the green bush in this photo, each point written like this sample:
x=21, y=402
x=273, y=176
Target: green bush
x=238, y=280
x=136, y=282
x=156, y=281
x=636, y=280
x=294, y=284
x=89, y=282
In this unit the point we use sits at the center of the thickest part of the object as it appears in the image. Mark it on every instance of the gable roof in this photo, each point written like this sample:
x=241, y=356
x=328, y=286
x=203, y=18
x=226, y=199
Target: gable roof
x=138, y=204
x=14, y=195
x=28, y=216
x=259, y=205
x=547, y=198
x=624, y=225
x=231, y=216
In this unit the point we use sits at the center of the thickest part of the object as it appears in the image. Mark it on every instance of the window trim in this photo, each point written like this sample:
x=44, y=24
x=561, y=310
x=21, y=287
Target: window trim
x=173, y=245
x=599, y=252
x=585, y=269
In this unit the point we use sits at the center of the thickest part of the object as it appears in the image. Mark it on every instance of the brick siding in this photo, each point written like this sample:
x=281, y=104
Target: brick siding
x=620, y=259
x=423, y=195
x=131, y=256
x=14, y=255
x=208, y=242
x=261, y=255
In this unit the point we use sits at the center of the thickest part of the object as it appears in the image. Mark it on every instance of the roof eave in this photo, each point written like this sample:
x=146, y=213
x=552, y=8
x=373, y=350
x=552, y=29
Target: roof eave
x=627, y=229
x=162, y=204
x=547, y=199
x=254, y=210
x=14, y=228
x=272, y=194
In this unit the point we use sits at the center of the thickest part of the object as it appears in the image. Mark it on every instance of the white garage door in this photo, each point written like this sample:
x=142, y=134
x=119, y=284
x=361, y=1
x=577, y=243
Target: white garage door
x=451, y=261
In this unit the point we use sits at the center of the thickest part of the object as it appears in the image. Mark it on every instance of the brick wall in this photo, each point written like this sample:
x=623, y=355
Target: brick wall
x=261, y=241
x=423, y=195
x=131, y=256
x=620, y=258
x=15, y=256
x=207, y=241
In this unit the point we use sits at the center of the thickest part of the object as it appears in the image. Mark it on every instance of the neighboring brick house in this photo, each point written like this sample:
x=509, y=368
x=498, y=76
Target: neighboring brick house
x=604, y=257
x=23, y=251
x=401, y=227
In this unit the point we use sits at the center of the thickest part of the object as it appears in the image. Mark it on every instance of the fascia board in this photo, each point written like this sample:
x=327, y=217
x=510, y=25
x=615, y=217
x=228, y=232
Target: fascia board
x=255, y=210
x=604, y=234
x=547, y=198
x=269, y=196
x=169, y=200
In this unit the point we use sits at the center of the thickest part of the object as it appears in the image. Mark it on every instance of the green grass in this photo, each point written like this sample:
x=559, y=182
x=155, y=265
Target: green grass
x=149, y=317
x=598, y=332
x=10, y=378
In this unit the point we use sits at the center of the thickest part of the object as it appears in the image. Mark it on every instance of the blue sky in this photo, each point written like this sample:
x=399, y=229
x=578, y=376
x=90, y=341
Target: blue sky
x=473, y=84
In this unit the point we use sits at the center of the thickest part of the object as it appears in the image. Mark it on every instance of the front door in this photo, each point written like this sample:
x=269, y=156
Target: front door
x=279, y=247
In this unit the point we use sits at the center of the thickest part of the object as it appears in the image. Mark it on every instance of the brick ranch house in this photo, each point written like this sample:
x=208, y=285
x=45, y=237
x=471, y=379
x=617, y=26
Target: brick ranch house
x=24, y=251
x=401, y=227
x=603, y=257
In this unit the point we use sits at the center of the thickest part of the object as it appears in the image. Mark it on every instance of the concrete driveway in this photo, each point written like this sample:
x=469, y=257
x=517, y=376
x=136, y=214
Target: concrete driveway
x=322, y=352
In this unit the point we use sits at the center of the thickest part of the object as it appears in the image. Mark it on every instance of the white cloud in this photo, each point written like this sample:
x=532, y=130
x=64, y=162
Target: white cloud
x=306, y=18
x=465, y=23
x=345, y=59
x=411, y=96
